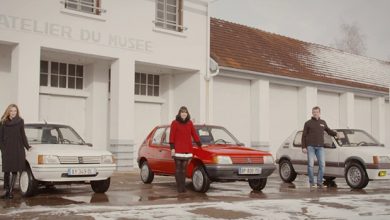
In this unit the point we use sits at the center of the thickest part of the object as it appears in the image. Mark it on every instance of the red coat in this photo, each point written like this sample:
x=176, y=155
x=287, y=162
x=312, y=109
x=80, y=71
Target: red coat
x=181, y=136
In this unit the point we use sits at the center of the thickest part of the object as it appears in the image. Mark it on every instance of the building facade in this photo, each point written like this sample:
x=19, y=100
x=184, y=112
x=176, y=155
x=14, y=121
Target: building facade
x=115, y=69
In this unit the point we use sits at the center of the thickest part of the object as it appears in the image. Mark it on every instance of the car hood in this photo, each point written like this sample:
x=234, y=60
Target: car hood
x=67, y=150
x=370, y=150
x=233, y=150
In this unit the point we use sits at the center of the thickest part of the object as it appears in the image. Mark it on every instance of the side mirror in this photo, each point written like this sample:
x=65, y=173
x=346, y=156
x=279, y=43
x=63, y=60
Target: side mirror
x=89, y=144
x=241, y=144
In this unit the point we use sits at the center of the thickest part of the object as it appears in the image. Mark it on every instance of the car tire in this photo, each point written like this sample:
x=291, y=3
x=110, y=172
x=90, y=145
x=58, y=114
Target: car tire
x=286, y=171
x=27, y=183
x=100, y=186
x=200, y=180
x=257, y=184
x=356, y=176
x=146, y=173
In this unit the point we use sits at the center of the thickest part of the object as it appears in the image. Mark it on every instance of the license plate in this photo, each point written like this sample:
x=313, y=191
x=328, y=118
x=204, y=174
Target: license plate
x=249, y=170
x=81, y=171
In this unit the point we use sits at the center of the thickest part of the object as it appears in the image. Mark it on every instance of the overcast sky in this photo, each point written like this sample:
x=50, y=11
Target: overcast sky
x=316, y=21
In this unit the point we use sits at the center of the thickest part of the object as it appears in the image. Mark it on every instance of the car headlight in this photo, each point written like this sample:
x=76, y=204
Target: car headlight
x=381, y=159
x=48, y=159
x=268, y=159
x=222, y=160
x=107, y=159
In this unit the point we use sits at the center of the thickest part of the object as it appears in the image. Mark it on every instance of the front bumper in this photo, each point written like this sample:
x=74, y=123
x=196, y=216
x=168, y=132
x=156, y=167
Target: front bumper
x=373, y=174
x=58, y=173
x=230, y=171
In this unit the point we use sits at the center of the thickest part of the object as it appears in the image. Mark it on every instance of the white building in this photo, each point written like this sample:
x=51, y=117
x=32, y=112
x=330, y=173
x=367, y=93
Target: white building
x=74, y=61
x=115, y=69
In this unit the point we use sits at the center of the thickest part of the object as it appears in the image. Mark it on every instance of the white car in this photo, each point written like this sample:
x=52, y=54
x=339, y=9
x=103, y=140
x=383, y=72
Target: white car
x=356, y=156
x=60, y=156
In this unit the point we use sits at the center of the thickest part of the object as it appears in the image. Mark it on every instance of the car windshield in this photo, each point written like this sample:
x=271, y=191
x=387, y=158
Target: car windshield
x=216, y=135
x=52, y=134
x=356, y=138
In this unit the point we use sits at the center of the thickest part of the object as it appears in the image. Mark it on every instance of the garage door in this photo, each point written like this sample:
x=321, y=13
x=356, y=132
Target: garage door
x=330, y=108
x=147, y=116
x=232, y=106
x=363, y=113
x=283, y=114
x=66, y=110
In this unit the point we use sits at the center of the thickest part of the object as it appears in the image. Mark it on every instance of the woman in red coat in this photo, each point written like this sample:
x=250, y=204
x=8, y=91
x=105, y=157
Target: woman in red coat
x=180, y=140
x=13, y=140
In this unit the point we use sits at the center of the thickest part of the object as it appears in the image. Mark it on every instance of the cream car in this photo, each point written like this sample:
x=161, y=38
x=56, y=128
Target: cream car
x=60, y=156
x=355, y=156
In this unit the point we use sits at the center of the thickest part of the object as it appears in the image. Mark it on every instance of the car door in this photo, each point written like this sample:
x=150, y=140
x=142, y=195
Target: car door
x=331, y=156
x=298, y=158
x=168, y=162
x=154, y=157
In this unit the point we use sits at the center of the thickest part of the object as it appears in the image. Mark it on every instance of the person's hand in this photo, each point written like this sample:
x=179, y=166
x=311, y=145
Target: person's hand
x=173, y=152
x=304, y=150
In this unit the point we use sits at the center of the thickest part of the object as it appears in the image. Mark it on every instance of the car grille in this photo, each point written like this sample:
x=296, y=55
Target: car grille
x=79, y=160
x=247, y=160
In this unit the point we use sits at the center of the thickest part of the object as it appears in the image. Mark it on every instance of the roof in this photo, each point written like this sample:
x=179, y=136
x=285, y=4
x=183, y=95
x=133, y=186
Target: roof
x=241, y=47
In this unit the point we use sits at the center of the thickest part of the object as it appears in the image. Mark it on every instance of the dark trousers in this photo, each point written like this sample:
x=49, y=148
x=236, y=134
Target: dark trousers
x=180, y=174
x=9, y=183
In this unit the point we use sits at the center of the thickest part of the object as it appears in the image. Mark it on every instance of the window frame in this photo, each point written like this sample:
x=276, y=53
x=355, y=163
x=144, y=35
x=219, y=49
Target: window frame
x=155, y=85
x=81, y=5
x=164, y=22
x=77, y=77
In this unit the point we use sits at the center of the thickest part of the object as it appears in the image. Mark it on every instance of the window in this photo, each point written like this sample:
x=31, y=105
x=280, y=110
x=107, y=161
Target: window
x=169, y=14
x=165, y=140
x=61, y=75
x=147, y=84
x=157, y=136
x=298, y=140
x=87, y=6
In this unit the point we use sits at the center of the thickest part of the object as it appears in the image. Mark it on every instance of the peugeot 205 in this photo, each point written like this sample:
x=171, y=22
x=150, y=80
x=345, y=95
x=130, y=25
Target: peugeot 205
x=221, y=158
x=60, y=156
x=355, y=156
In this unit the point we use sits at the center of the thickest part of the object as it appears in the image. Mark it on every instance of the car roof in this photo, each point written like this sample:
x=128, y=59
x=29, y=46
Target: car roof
x=46, y=123
x=341, y=129
x=196, y=125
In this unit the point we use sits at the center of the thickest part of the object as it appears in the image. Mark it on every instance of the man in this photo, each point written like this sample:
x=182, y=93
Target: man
x=313, y=145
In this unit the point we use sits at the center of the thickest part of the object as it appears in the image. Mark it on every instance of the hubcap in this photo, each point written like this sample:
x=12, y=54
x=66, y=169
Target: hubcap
x=197, y=180
x=144, y=172
x=354, y=176
x=285, y=170
x=24, y=181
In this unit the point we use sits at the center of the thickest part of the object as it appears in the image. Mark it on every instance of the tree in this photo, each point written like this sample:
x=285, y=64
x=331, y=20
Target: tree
x=352, y=40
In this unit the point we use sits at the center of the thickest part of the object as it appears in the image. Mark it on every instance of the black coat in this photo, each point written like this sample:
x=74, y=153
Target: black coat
x=13, y=140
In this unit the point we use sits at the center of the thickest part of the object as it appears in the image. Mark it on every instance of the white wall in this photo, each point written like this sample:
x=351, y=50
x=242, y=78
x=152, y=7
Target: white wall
x=363, y=113
x=8, y=80
x=329, y=103
x=62, y=109
x=232, y=106
x=283, y=114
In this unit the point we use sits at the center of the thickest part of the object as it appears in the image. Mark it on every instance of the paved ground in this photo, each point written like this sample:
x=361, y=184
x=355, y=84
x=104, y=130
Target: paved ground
x=129, y=198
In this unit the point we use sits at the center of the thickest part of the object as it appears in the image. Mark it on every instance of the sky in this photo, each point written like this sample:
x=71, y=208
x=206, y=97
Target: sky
x=316, y=21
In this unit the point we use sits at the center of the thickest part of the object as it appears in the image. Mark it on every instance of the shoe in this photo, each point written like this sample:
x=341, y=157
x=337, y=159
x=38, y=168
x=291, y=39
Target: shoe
x=321, y=186
x=312, y=185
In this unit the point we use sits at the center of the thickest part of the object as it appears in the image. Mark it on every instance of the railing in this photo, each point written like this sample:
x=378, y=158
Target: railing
x=90, y=7
x=165, y=25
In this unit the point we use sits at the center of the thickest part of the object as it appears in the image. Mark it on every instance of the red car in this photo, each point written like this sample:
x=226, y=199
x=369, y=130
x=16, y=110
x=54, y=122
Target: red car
x=222, y=158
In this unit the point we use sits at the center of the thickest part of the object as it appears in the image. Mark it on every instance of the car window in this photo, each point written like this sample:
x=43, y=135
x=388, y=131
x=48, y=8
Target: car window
x=156, y=140
x=328, y=141
x=298, y=139
x=165, y=138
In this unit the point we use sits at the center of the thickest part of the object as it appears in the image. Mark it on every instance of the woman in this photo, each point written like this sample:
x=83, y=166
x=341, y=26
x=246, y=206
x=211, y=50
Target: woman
x=13, y=140
x=180, y=140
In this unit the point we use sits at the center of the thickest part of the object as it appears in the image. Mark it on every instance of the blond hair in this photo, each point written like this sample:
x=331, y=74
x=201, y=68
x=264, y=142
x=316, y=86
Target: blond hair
x=7, y=111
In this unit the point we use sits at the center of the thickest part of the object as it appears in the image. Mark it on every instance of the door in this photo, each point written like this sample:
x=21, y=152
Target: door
x=165, y=152
x=331, y=156
x=154, y=150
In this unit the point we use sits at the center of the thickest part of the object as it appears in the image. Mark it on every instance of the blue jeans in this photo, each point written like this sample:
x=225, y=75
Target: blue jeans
x=320, y=154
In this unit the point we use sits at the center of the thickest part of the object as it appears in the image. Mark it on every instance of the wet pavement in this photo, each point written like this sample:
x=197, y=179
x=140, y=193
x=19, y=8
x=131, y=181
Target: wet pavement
x=129, y=198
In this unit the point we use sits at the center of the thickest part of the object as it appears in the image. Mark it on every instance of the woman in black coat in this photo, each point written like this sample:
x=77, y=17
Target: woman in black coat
x=13, y=140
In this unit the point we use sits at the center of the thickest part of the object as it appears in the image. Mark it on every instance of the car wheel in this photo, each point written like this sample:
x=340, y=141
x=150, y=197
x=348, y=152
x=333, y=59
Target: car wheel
x=146, y=173
x=200, y=180
x=257, y=184
x=356, y=176
x=286, y=171
x=100, y=186
x=27, y=184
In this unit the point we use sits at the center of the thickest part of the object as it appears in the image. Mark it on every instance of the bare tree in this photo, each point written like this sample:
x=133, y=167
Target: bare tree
x=352, y=41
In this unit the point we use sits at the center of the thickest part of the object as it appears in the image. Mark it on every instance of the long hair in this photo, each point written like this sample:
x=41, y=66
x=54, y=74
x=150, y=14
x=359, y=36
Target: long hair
x=183, y=109
x=7, y=111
